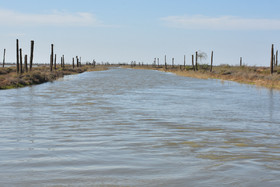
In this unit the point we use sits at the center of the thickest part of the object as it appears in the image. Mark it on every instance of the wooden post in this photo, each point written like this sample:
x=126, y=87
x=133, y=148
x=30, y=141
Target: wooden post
x=193, y=62
x=184, y=61
x=55, y=61
x=31, y=55
x=271, y=60
x=172, y=62
x=73, y=63
x=77, y=61
x=196, y=56
x=211, y=61
x=25, y=64
x=51, y=58
x=4, y=56
x=61, y=62
x=20, y=65
x=276, y=58
x=80, y=62
x=165, y=63
x=240, y=61
x=17, y=56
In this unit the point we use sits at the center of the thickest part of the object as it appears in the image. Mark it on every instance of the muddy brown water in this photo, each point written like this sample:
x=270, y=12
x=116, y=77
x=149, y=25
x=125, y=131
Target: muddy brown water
x=126, y=127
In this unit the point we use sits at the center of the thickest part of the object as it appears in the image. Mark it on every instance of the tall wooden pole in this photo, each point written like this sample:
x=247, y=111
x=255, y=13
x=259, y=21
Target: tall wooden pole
x=25, y=64
x=73, y=63
x=271, y=60
x=77, y=61
x=211, y=61
x=51, y=58
x=196, y=56
x=276, y=63
x=17, y=46
x=20, y=66
x=165, y=63
x=241, y=61
x=4, y=56
x=63, y=61
x=55, y=61
x=31, y=55
x=172, y=62
x=193, y=62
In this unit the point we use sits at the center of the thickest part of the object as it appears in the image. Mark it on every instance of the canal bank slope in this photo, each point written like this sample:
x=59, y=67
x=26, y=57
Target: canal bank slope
x=10, y=79
x=259, y=76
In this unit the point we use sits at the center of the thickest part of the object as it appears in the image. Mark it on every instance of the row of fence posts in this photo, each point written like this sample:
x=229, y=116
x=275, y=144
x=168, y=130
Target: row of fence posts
x=62, y=61
x=22, y=64
x=19, y=59
x=194, y=62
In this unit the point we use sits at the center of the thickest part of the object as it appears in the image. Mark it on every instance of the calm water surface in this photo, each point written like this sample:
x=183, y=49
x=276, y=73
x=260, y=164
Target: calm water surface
x=127, y=127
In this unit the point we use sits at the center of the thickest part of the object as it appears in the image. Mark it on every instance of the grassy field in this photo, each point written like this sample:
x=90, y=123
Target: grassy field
x=259, y=76
x=10, y=79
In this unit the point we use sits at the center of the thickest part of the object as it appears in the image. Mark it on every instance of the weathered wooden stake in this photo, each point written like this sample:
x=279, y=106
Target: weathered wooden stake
x=240, y=61
x=77, y=61
x=276, y=58
x=193, y=62
x=4, y=57
x=51, y=58
x=61, y=62
x=73, y=63
x=271, y=60
x=172, y=62
x=211, y=61
x=31, y=55
x=54, y=61
x=17, y=56
x=20, y=65
x=25, y=64
x=165, y=63
x=196, y=56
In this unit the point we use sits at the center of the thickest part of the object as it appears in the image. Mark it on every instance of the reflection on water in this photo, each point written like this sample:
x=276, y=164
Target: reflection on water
x=127, y=127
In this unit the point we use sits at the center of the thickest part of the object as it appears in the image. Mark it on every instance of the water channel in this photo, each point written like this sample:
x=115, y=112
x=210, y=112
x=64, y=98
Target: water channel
x=125, y=127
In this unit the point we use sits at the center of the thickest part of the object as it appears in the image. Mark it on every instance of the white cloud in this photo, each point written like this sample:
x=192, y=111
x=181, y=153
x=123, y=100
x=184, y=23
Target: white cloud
x=12, y=18
x=221, y=23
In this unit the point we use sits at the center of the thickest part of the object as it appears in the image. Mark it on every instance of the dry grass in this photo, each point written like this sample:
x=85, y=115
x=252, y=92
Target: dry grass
x=10, y=79
x=259, y=76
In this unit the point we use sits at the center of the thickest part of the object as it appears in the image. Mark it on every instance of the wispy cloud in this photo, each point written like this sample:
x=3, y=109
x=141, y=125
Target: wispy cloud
x=56, y=18
x=221, y=23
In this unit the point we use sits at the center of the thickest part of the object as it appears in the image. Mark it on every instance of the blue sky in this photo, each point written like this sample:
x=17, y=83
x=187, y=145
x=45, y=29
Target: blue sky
x=140, y=30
